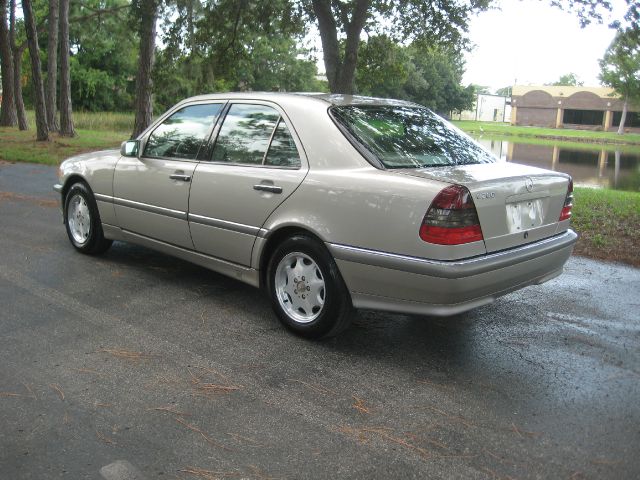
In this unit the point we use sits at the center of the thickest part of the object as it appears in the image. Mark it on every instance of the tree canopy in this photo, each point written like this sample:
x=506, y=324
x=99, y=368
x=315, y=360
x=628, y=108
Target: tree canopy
x=620, y=69
x=420, y=72
x=104, y=55
x=231, y=45
x=567, y=80
x=341, y=23
x=411, y=49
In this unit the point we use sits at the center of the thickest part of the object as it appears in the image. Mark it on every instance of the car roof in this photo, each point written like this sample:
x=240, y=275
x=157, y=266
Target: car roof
x=328, y=98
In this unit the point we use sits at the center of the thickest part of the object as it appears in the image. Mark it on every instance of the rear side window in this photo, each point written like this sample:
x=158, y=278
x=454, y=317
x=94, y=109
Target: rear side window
x=409, y=137
x=282, y=151
x=255, y=135
x=183, y=133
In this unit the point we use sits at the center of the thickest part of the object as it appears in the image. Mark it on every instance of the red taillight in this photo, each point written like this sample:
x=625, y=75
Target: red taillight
x=452, y=218
x=568, y=203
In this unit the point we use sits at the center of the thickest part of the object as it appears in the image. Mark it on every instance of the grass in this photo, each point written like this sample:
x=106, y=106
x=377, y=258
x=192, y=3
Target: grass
x=99, y=121
x=507, y=130
x=608, y=222
x=95, y=131
x=17, y=146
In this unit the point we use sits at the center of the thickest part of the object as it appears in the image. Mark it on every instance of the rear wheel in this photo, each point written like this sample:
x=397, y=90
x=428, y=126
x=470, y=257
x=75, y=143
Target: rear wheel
x=306, y=289
x=82, y=221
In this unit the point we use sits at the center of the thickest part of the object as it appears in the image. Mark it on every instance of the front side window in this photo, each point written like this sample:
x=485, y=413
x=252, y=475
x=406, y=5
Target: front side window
x=183, y=133
x=409, y=137
x=255, y=135
x=245, y=134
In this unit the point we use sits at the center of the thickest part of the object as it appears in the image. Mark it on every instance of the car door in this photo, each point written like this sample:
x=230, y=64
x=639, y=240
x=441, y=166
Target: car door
x=151, y=193
x=255, y=164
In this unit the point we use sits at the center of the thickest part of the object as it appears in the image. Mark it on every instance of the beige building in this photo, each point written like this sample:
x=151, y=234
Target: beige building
x=486, y=108
x=591, y=108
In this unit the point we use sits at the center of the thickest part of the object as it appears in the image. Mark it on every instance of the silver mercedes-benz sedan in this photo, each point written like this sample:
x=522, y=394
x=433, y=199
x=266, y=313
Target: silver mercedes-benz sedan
x=328, y=202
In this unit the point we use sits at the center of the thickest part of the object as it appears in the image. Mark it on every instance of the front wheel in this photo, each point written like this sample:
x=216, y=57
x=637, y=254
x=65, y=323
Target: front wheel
x=306, y=289
x=82, y=221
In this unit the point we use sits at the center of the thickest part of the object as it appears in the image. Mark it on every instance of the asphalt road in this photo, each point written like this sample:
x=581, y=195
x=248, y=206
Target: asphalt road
x=137, y=365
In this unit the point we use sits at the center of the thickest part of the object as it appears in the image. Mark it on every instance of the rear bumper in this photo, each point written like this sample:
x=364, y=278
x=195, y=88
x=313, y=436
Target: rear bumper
x=386, y=281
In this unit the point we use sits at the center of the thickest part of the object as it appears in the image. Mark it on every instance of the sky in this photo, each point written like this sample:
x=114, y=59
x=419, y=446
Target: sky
x=530, y=42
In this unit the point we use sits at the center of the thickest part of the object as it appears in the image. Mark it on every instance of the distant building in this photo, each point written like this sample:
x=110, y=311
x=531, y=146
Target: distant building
x=589, y=108
x=487, y=108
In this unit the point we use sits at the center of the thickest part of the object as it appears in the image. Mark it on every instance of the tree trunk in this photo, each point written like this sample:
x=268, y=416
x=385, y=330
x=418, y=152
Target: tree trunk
x=17, y=90
x=36, y=72
x=144, y=107
x=8, y=108
x=623, y=117
x=52, y=66
x=17, y=69
x=66, y=113
x=191, y=27
x=340, y=70
x=330, y=45
x=354, y=29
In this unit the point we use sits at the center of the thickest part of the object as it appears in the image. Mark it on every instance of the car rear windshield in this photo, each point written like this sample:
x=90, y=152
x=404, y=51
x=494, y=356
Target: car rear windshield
x=409, y=137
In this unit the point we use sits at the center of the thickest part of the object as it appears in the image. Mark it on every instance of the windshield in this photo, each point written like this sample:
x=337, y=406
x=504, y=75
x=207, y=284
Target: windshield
x=409, y=137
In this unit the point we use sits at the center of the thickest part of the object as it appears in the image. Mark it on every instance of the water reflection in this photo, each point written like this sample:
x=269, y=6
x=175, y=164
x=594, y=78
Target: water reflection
x=595, y=167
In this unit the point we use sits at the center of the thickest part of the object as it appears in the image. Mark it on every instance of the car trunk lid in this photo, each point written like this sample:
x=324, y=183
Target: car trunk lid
x=516, y=204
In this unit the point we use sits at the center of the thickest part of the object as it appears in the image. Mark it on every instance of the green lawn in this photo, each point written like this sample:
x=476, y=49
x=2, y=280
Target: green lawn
x=95, y=131
x=17, y=146
x=608, y=222
x=99, y=121
x=506, y=130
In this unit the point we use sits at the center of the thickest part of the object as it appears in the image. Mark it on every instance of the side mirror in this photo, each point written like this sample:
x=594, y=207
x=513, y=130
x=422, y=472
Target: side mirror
x=130, y=148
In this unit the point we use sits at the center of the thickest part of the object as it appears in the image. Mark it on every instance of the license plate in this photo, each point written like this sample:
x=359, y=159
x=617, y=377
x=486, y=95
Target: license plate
x=524, y=215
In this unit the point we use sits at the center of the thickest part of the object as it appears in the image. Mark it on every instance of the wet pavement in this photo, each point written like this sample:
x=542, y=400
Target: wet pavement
x=138, y=365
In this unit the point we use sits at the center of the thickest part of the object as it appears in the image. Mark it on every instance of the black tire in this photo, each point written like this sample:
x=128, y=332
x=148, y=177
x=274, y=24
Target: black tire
x=82, y=221
x=326, y=309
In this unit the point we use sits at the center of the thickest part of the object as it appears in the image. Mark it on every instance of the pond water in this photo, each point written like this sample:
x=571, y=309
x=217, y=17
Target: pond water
x=589, y=165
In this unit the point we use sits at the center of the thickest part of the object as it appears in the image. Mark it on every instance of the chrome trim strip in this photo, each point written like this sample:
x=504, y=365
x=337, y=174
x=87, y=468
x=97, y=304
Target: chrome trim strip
x=224, y=224
x=167, y=212
x=191, y=217
x=103, y=198
x=454, y=268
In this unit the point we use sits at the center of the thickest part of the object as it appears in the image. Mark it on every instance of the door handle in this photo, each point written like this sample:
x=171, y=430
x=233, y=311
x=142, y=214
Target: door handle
x=268, y=188
x=180, y=176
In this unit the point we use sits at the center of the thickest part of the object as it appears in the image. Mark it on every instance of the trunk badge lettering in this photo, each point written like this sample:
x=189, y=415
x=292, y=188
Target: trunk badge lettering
x=528, y=183
x=485, y=195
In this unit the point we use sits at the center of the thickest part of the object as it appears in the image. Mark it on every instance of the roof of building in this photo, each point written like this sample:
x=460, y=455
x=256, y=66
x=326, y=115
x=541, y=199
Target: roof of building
x=562, y=91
